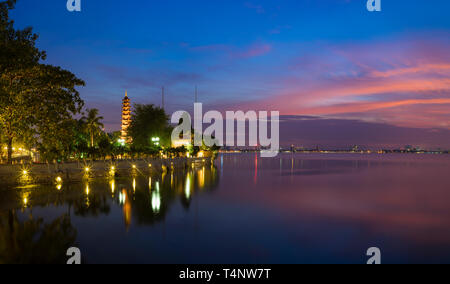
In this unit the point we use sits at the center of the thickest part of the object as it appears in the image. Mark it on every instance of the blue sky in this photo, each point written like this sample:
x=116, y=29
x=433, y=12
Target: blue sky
x=302, y=57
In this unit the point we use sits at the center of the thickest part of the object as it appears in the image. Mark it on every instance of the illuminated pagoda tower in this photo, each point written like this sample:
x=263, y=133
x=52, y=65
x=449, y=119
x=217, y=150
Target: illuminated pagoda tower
x=126, y=118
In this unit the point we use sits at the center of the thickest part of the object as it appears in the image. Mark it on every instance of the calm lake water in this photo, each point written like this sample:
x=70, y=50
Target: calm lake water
x=296, y=208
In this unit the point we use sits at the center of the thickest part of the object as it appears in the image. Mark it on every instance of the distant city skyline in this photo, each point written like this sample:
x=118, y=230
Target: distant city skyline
x=379, y=78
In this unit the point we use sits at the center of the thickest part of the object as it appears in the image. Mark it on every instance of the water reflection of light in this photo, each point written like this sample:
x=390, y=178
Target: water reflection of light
x=25, y=199
x=113, y=186
x=87, y=195
x=163, y=176
x=134, y=184
x=156, y=201
x=122, y=197
x=201, y=178
x=58, y=186
x=292, y=169
x=281, y=165
x=126, y=208
x=221, y=165
x=187, y=190
x=256, y=169
x=150, y=183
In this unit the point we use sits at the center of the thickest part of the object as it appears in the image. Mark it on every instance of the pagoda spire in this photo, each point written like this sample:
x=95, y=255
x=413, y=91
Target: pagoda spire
x=126, y=117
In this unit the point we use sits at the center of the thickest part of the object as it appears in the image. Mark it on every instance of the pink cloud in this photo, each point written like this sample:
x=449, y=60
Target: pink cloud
x=389, y=81
x=442, y=68
x=370, y=106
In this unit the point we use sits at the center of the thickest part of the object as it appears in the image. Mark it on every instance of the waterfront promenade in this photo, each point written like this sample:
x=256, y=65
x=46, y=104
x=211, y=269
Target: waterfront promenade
x=26, y=174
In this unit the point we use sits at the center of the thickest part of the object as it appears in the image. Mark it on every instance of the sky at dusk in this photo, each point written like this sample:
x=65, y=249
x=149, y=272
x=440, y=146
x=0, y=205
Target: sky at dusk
x=320, y=63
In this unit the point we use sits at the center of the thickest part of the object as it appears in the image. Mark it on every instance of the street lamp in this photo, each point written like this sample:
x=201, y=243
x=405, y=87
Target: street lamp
x=156, y=140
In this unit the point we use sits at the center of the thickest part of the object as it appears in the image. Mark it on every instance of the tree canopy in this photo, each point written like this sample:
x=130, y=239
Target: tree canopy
x=17, y=47
x=39, y=104
x=149, y=122
x=37, y=101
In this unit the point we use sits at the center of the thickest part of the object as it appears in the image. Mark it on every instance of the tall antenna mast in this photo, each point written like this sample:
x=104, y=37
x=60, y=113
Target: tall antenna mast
x=196, y=94
x=162, y=93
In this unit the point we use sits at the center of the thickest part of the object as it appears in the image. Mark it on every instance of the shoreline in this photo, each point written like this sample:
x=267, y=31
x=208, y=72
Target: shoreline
x=32, y=174
x=344, y=152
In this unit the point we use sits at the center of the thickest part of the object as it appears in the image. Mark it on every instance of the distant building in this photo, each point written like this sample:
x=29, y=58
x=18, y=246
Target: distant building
x=126, y=118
